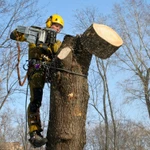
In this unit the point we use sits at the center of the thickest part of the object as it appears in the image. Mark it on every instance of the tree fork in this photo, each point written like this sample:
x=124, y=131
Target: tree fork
x=69, y=92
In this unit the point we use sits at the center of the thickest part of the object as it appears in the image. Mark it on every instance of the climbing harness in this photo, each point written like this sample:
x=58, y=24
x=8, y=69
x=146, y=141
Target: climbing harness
x=49, y=66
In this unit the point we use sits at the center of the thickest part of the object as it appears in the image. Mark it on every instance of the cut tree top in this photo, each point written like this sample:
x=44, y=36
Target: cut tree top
x=101, y=40
x=108, y=34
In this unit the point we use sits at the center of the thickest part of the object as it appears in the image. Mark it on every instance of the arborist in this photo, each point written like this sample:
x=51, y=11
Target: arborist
x=36, y=76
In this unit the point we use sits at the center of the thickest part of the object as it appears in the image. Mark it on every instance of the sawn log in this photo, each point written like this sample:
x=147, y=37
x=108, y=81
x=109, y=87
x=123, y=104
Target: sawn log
x=101, y=40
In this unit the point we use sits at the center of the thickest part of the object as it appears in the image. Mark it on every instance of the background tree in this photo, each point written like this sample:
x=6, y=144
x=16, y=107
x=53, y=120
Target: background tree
x=130, y=135
x=12, y=13
x=133, y=56
x=16, y=12
x=100, y=83
x=131, y=19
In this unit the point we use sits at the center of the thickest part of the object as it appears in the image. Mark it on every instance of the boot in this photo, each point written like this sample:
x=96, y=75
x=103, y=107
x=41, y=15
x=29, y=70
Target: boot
x=36, y=139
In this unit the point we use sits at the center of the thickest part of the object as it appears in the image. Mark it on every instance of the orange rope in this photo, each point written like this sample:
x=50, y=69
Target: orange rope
x=17, y=65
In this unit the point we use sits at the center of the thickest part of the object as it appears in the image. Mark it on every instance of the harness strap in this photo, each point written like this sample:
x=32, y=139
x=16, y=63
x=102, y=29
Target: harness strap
x=68, y=71
x=48, y=65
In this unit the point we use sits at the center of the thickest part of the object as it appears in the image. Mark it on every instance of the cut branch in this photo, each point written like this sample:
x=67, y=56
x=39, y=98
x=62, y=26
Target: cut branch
x=101, y=40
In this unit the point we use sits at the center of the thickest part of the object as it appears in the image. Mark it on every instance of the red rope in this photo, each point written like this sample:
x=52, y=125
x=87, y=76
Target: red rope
x=17, y=65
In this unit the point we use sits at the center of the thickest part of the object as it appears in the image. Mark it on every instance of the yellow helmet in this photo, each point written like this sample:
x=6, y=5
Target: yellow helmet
x=54, y=19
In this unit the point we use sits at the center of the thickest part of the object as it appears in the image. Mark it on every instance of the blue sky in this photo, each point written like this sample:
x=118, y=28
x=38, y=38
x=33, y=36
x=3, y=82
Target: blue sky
x=67, y=8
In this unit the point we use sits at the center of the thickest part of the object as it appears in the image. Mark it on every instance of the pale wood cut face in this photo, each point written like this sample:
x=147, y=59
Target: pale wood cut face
x=64, y=53
x=108, y=34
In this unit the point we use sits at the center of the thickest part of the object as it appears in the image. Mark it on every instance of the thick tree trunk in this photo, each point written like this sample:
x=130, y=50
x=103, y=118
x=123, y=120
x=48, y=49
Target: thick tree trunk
x=69, y=87
x=69, y=100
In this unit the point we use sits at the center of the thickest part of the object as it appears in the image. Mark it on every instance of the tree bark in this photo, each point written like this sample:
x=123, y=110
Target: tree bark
x=69, y=100
x=69, y=87
x=101, y=40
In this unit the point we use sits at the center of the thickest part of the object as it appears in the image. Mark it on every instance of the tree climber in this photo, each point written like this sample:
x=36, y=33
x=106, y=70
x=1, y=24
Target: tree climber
x=37, y=76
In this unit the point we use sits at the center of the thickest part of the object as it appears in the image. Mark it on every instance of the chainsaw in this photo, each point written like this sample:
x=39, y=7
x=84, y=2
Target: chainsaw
x=42, y=37
x=38, y=35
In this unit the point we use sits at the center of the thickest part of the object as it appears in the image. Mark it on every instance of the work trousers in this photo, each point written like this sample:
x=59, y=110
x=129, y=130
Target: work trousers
x=36, y=84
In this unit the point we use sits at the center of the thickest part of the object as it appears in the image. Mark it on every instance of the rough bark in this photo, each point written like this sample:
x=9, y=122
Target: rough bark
x=69, y=100
x=69, y=87
x=101, y=40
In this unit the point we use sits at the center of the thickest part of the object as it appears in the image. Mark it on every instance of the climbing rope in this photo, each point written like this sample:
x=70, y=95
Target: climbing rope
x=21, y=84
x=17, y=65
x=26, y=117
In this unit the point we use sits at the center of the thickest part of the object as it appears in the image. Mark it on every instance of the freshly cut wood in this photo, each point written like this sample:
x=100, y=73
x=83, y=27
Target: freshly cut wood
x=64, y=53
x=101, y=40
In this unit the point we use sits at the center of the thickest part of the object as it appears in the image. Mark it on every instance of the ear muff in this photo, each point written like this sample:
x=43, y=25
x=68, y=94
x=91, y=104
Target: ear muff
x=49, y=22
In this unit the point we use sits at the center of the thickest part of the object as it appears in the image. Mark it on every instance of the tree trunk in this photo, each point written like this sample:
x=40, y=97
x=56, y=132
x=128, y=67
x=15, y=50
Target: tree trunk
x=69, y=90
x=69, y=100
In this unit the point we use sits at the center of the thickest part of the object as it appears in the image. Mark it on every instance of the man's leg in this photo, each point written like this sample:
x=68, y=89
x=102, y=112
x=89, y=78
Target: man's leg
x=34, y=121
x=36, y=84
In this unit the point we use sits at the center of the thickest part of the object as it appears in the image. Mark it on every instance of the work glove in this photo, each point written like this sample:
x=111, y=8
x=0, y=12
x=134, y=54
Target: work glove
x=15, y=35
